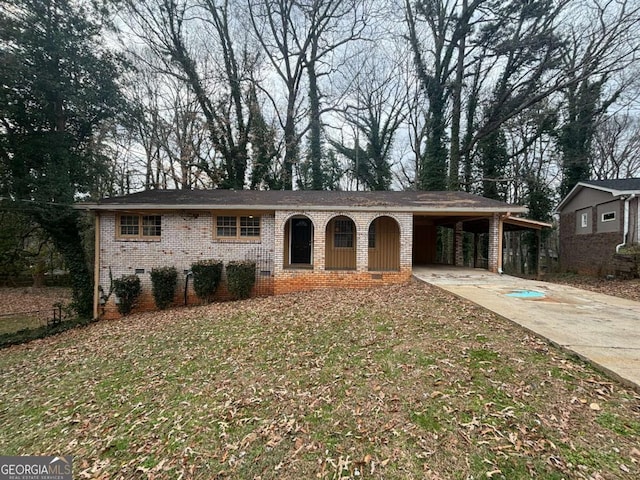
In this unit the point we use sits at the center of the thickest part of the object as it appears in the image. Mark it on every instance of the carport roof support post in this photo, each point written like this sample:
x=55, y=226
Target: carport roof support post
x=495, y=243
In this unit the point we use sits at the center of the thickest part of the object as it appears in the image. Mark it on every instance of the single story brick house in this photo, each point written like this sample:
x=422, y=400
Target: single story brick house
x=299, y=240
x=597, y=218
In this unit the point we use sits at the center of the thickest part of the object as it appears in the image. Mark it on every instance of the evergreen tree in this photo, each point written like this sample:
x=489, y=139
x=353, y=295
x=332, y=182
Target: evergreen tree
x=494, y=160
x=576, y=135
x=57, y=85
x=263, y=148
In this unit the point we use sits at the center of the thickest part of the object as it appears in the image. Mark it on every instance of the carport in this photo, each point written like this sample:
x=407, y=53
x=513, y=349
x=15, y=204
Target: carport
x=439, y=239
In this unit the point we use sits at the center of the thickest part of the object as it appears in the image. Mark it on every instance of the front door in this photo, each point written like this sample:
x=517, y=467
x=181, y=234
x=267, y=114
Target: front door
x=301, y=240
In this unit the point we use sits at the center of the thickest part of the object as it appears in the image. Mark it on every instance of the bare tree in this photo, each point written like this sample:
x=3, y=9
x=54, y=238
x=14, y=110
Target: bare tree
x=448, y=23
x=375, y=114
x=194, y=41
x=602, y=43
x=617, y=147
x=171, y=129
x=298, y=38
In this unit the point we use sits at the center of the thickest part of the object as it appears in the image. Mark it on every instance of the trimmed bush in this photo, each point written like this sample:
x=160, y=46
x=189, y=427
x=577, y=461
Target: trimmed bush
x=206, y=278
x=164, y=281
x=241, y=276
x=127, y=288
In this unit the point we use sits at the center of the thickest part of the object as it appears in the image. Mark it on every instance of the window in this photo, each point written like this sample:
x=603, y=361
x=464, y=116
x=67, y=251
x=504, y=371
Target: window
x=249, y=227
x=608, y=216
x=584, y=220
x=151, y=225
x=343, y=236
x=226, y=227
x=372, y=234
x=238, y=227
x=129, y=225
x=147, y=227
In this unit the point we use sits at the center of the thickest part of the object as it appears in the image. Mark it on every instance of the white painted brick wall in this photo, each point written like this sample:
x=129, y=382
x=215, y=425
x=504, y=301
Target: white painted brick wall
x=185, y=239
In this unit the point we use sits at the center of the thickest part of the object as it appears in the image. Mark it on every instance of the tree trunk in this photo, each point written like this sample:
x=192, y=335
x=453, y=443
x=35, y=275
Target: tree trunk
x=64, y=231
x=315, y=127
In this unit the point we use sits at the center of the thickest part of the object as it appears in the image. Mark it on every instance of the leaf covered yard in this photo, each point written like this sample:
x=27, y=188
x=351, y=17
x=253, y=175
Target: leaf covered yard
x=394, y=382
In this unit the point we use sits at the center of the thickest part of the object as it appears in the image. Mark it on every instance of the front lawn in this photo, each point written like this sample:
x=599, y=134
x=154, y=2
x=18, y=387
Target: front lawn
x=396, y=383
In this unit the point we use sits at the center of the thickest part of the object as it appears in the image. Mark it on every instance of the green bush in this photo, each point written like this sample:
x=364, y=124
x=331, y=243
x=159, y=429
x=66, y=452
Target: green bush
x=127, y=288
x=164, y=281
x=206, y=278
x=241, y=276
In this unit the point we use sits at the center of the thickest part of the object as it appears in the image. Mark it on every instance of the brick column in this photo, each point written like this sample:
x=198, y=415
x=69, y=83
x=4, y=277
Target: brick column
x=495, y=243
x=362, y=241
x=458, y=258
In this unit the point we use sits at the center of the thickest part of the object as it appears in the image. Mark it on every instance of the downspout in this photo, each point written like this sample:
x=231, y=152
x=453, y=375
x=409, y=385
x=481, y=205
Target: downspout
x=626, y=222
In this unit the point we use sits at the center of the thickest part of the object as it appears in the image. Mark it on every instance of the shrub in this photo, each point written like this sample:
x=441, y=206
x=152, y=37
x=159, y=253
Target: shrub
x=164, y=281
x=241, y=276
x=206, y=278
x=127, y=288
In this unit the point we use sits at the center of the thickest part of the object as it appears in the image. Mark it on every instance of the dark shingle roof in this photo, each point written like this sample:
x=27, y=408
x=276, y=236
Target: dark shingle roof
x=309, y=199
x=622, y=184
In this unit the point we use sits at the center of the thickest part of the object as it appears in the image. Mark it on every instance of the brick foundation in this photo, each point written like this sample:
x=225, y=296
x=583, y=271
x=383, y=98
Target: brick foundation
x=296, y=281
x=262, y=288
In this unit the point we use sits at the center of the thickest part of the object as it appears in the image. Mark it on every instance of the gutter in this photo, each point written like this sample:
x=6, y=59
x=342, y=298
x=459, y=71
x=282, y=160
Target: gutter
x=307, y=208
x=626, y=222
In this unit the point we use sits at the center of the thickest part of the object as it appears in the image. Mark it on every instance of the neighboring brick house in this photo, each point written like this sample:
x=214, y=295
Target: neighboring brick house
x=597, y=218
x=299, y=240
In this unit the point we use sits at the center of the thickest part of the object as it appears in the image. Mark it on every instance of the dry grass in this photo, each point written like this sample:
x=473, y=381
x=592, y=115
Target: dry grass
x=29, y=299
x=397, y=383
x=29, y=308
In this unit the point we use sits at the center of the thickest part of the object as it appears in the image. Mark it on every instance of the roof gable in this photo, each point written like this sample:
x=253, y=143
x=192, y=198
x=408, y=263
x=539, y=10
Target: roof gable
x=616, y=187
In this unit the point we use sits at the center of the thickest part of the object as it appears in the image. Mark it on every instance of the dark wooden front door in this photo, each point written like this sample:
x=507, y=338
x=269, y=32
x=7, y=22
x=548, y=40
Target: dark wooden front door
x=301, y=240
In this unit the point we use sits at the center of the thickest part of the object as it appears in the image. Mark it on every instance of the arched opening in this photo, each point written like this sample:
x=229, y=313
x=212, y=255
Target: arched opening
x=340, y=244
x=298, y=242
x=384, y=244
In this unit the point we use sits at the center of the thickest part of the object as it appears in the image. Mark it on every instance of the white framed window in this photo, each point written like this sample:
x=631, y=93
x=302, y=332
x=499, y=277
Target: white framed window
x=584, y=220
x=608, y=216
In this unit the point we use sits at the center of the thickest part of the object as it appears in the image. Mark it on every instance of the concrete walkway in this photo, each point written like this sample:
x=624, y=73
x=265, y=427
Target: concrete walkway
x=602, y=329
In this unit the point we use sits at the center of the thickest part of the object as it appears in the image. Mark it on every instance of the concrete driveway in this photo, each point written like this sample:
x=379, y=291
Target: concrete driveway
x=602, y=329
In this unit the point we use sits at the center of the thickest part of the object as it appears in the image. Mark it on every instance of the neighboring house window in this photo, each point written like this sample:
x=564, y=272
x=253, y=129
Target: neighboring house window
x=608, y=216
x=143, y=227
x=244, y=227
x=584, y=220
x=343, y=236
